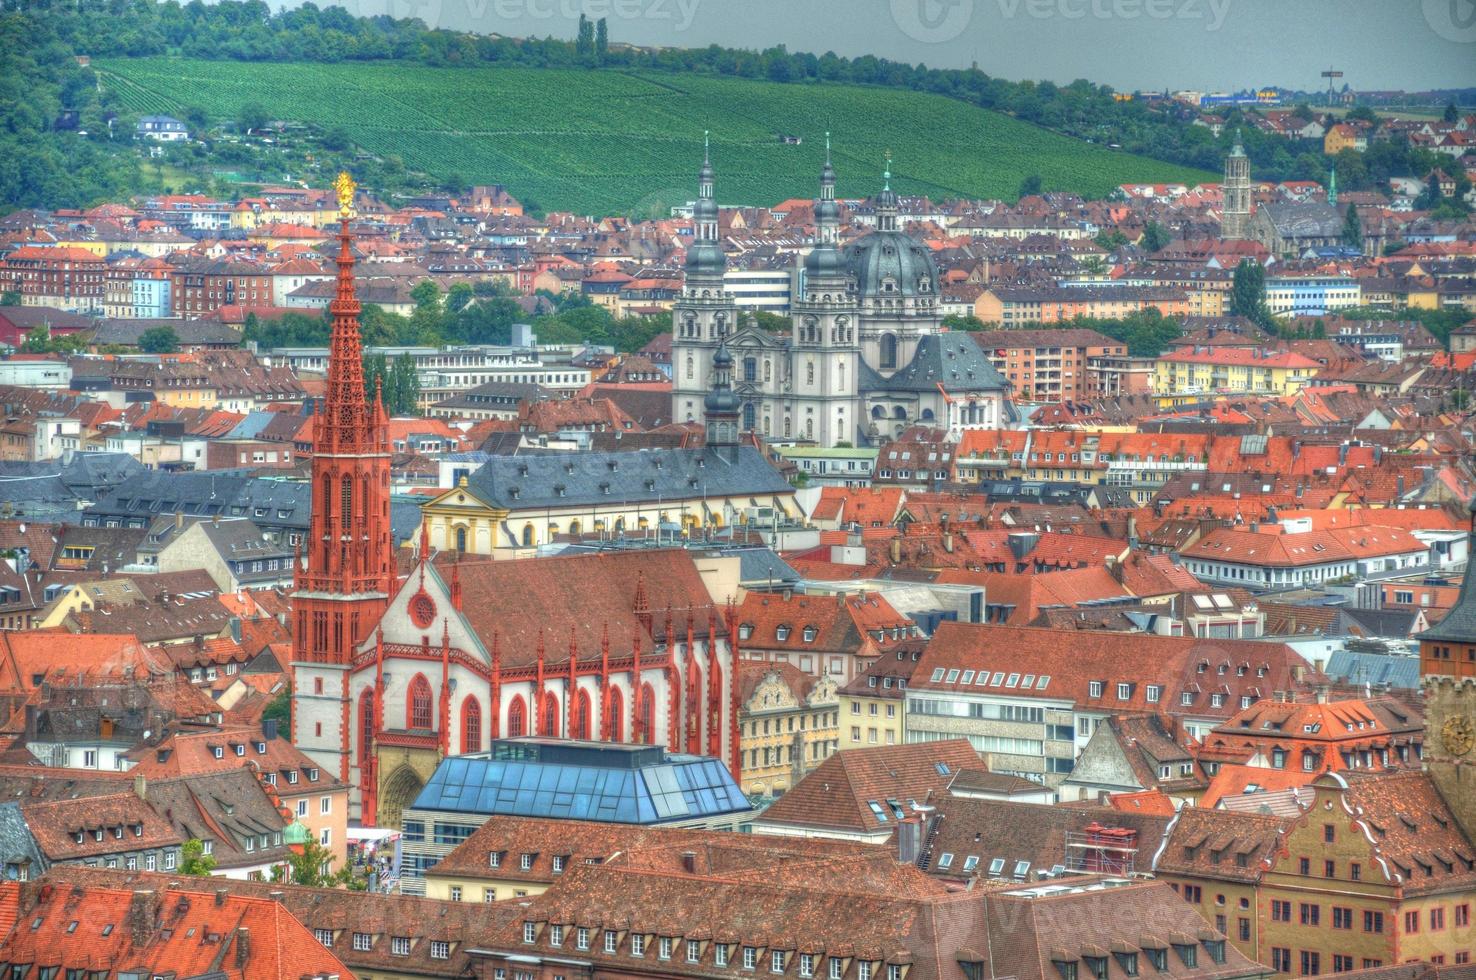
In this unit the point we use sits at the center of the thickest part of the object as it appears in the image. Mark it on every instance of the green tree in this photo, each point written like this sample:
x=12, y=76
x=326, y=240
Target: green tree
x=1155, y=237
x=1248, y=291
x=1352, y=228
x=11, y=297
x=280, y=710
x=602, y=41
x=458, y=296
x=1451, y=113
x=313, y=868
x=159, y=340
x=965, y=322
x=584, y=40
x=1029, y=186
x=194, y=861
x=253, y=115
x=197, y=119
x=1362, y=113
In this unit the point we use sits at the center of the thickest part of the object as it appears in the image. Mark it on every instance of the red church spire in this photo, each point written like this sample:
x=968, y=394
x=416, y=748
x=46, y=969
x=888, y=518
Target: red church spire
x=347, y=569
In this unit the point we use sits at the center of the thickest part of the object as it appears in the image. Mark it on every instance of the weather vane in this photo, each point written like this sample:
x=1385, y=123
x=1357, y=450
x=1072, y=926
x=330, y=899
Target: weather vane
x=344, y=185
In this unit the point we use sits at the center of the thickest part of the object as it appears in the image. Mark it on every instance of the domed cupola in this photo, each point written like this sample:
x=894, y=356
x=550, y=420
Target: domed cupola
x=824, y=258
x=705, y=257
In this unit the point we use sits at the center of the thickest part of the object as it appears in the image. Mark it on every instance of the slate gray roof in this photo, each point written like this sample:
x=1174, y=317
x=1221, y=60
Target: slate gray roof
x=127, y=331
x=950, y=359
x=1357, y=667
x=17, y=846
x=1305, y=219
x=571, y=479
x=1459, y=625
x=272, y=504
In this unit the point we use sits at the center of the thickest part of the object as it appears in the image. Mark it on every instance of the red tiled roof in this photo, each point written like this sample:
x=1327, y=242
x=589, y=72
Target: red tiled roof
x=839, y=792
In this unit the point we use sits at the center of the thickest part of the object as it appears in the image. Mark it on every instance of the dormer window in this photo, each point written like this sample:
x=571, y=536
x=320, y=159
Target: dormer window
x=240, y=749
x=809, y=634
x=781, y=633
x=218, y=752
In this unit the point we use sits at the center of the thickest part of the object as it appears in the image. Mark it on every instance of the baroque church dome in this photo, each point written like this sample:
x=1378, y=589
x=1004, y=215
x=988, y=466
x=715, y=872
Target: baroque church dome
x=891, y=263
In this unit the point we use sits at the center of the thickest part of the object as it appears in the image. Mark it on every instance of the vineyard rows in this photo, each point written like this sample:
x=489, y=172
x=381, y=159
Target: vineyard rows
x=602, y=141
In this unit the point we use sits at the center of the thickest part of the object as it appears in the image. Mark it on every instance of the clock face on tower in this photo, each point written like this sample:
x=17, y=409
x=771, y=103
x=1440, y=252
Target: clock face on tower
x=422, y=610
x=1458, y=734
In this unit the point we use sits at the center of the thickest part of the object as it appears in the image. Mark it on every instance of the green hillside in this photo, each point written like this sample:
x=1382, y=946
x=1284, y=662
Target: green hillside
x=606, y=142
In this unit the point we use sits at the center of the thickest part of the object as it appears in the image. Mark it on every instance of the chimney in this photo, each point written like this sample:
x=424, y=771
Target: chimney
x=179, y=520
x=948, y=541
x=896, y=551
x=243, y=946
x=689, y=862
x=142, y=909
x=220, y=896
x=141, y=787
x=909, y=838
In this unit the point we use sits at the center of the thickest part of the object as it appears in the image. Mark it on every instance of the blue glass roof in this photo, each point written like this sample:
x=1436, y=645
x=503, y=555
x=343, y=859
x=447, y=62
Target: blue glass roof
x=583, y=781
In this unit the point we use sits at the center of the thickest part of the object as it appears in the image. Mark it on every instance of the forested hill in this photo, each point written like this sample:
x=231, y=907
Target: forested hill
x=970, y=133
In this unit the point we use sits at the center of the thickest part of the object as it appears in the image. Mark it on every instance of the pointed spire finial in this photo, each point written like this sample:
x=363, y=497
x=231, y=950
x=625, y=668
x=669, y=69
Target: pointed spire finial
x=827, y=146
x=706, y=144
x=887, y=173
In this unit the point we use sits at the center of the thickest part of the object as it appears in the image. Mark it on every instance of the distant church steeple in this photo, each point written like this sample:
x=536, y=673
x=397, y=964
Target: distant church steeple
x=886, y=201
x=1236, y=209
x=824, y=257
x=720, y=407
x=1332, y=187
x=705, y=259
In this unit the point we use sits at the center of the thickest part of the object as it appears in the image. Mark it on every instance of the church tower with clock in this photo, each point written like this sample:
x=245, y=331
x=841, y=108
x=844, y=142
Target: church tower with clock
x=346, y=575
x=1448, y=671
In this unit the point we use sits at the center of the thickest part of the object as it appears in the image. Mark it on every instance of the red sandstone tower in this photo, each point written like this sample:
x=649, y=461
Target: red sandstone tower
x=345, y=576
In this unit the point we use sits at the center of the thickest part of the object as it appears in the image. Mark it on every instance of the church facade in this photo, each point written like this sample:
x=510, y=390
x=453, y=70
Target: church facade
x=866, y=354
x=392, y=674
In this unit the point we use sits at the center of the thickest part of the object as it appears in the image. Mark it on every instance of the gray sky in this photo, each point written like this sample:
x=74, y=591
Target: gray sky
x=1179, y=44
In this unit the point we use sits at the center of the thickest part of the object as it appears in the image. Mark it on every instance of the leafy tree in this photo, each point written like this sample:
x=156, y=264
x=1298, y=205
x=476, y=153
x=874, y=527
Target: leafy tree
x=1155, y=237
x=280, y=709
x=253, y=115
x=194, y=861
x=584, y=41
x=1029, y=186
x=602, y=41
x=1352, y=228
x=458, y=296
x=312, y=868
x=11, y=297
x=1111, y=239
x=197, y=119
x=1451, y=113
x=1362, y=113
x=965, y=322
x=1248, y=291
x=159, y=340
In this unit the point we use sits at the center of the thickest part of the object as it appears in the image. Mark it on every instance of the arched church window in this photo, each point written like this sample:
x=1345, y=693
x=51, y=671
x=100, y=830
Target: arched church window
x=927, y=415
x=878, y=412
x=748, y=417
x=418, y=705
x=517, y=718
x=750, y=369
x=471, y=725
x=346, y=501
x=461, y=539
x=889, y=350
x=768, y=370
x=366, y=726
x=527, y=535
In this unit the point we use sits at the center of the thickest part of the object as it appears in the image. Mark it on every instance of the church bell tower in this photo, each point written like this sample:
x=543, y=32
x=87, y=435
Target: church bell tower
x=1448, y=671
x=344, y=576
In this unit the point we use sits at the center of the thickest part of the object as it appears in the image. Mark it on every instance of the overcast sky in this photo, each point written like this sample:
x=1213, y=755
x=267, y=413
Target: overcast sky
x=1130, y=44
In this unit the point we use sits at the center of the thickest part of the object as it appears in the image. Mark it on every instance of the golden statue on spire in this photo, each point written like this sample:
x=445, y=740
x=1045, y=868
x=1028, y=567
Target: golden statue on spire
x=344, y=185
